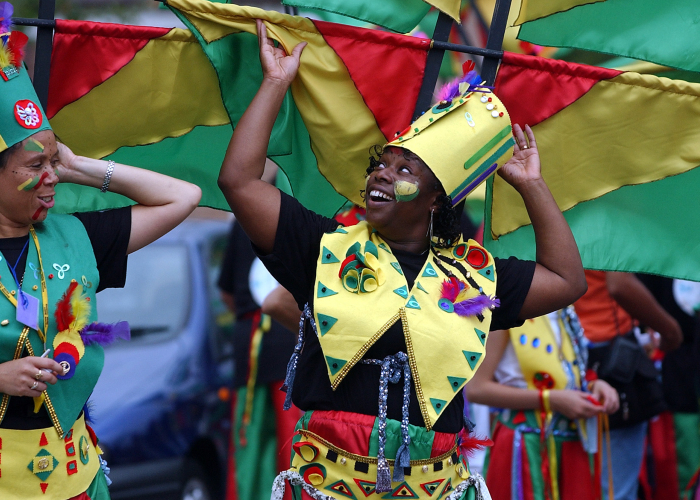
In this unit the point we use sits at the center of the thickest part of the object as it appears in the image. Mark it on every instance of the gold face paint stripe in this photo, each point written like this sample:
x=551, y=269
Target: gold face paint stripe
x=29, y=184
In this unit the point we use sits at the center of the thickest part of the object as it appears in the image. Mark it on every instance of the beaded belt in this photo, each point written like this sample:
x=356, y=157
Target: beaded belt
x=38, y=463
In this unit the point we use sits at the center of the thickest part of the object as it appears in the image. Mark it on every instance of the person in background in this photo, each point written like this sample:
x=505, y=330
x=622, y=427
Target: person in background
x=607, y=312
x=674, y=437
x=51, y=267
x=535, y=377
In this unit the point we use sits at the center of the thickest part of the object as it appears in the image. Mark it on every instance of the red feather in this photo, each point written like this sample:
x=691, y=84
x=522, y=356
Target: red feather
x=15, y=45
x=450, y=289
x=468, y=443
x=64, y=311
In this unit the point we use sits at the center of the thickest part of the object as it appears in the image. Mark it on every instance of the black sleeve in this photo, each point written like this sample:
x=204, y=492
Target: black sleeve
x=109, y=232
x=293, y=258
x=513, y=279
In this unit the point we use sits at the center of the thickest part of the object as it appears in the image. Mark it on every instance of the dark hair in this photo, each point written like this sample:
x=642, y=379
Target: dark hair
x=5, y=155
x=446, y=228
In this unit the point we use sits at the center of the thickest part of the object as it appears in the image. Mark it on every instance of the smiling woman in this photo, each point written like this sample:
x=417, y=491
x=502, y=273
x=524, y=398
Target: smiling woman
x=397, y=308
x=51, y=267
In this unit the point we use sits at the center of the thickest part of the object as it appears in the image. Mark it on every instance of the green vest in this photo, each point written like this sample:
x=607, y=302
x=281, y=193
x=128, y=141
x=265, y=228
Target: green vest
x=66, y=254
x=361, y=291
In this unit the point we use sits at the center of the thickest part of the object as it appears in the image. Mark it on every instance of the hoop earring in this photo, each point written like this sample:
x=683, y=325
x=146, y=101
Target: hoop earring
x=429, y=234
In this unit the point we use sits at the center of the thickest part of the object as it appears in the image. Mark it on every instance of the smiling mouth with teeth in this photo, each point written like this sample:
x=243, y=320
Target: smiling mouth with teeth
x=46, y=199
x=379, y=196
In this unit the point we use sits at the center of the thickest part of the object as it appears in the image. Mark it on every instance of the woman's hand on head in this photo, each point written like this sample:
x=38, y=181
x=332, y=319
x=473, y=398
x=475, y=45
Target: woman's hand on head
x=18, y=376
x=277, y=65
x=573, y=404
x=66, y=159
x=607, y=396
x=524, y=166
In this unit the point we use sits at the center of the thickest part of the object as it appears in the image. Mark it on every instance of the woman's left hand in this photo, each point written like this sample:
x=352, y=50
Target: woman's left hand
x=524, y=165
x=66, y=159
x=607, y=396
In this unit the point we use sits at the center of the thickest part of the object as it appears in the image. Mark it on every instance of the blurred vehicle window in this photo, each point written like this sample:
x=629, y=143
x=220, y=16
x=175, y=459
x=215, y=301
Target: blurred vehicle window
x=156, y=298
x=222, y=316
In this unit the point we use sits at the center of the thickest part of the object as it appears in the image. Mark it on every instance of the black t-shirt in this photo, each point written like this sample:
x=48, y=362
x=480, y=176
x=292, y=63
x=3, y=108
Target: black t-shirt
x=277, y=343
x=680, y=369
x=293, y=263
x=109, y=233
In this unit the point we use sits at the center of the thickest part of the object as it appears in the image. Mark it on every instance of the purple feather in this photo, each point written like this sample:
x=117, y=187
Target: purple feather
x=451, y=90
x=6, y=11
x=476, y=305
x=104, y=334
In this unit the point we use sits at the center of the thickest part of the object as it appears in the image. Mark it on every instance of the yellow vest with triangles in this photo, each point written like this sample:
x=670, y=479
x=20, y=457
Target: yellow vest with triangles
x=354, y=306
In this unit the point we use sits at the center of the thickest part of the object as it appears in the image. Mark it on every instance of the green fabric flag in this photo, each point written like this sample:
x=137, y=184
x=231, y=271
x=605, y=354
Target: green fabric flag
x=400, y=16
x=665, y=33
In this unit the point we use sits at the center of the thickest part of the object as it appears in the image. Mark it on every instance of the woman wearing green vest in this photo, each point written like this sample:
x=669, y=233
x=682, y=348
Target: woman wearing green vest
x=397, y=308
x=51, y=267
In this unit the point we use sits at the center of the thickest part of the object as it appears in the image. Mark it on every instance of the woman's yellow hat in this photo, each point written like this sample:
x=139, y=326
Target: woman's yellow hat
x=464, y=138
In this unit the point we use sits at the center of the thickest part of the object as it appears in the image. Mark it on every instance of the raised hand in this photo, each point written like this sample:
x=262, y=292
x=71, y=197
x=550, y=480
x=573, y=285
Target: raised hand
x=524, y=165
x=276, y=64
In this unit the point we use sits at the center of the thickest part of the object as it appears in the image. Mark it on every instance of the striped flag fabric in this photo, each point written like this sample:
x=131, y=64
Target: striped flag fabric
x=167, y=99
x=619, y=152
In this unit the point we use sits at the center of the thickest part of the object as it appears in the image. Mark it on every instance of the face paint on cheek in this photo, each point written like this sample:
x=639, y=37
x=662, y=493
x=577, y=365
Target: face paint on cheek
x=32, y=183
x=405, y=191
x=33, y=145
x=37, y=213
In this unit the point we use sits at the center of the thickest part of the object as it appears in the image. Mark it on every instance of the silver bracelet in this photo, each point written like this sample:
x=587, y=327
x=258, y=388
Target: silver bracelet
x=108, y=176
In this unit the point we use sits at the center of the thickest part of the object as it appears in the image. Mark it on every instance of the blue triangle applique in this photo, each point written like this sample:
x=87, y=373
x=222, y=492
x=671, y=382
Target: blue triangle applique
x=324, y=291
x=472, y=358
x=456, y=382
x=413, y=303
x=327, y=257
x=403, y=291
x=487, y=272
x=325, y=323
x=429, y=271
x=335, y=364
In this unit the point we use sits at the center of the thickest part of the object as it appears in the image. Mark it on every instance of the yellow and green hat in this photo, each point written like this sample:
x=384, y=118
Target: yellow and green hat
x=21, y=114
x=464, y=138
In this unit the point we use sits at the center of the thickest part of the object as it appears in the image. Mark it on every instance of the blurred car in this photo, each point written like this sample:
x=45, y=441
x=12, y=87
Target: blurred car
x=161, y=408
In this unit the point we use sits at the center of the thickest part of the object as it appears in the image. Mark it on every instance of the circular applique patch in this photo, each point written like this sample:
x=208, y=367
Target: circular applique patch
x=68, y=364
x=477, y=258
x=28, y=114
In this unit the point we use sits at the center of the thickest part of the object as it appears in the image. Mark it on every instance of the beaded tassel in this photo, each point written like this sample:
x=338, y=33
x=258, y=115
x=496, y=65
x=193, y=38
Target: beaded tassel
x=294, y=360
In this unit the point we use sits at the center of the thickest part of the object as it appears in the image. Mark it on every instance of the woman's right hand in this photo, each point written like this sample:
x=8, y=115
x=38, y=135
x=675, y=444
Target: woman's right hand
x=276, y=64
x=573, y=404
x=18, y=376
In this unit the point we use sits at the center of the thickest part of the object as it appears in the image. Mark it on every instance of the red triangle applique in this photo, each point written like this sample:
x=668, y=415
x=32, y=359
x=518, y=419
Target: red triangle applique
x=387, y=70
x=86, y=54
x=519, y=418
x=534, y=88
x=43, y=441
x=43, y=487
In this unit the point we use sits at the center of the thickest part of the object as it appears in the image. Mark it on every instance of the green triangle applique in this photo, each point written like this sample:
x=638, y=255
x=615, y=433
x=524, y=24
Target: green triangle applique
x=384, y=247
x=412, y=303
x=420, y=287
x=431, y=486
x=397, y=266
x=481, y=335
x=403, y=490
x=342, y=488
x=368, y=487
x=456, y=382
x=429, y=271
x=324, y=291
x=327, y=257
x=487, y=272
x=447, y=488
x=403, y=291
x=438, y=405
x=335, y=364
x=340, y=230
x=472, y=358
x=325, y=323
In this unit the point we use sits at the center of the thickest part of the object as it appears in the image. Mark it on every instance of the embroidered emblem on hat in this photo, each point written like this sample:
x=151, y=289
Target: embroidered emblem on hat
x=28, y=114
x=367, y=487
